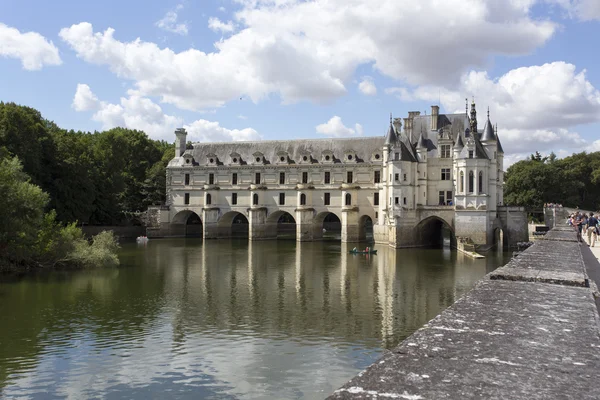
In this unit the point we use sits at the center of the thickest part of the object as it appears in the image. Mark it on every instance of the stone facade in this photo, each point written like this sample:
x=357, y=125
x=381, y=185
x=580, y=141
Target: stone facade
x=438, y=169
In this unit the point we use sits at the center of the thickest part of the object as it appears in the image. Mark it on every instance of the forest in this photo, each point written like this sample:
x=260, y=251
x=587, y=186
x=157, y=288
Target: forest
x=572, y=181
x=52, y=181
x=98, y=178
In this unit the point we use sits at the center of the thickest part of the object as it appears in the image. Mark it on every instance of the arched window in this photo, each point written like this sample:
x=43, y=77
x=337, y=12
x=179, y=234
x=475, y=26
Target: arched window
x=480, y=182
x=208, y=199
x=302, y=199
x=255, y=199
x=462, y=182
x=348, y=199
x=471, y=181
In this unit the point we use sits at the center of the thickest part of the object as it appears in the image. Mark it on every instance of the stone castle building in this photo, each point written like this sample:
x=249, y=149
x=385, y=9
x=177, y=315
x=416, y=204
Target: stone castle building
x=428, y=171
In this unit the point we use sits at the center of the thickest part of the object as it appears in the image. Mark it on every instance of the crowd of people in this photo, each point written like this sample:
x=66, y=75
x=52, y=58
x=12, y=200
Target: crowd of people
x=586, y=225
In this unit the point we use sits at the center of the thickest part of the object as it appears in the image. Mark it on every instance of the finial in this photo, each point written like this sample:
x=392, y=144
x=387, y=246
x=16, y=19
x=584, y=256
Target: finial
x=496, y=130
x=467, y=105
x=488, y=112
x=390, y=118
x=473, y=100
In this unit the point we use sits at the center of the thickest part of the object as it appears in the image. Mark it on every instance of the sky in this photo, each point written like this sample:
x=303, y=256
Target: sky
x=230, y=70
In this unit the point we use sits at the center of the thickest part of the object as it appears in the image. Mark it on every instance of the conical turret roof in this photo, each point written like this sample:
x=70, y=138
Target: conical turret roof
x=459, y=142
x=391, y=137
x=488, y=134
x=421, y=143
x=500, y=149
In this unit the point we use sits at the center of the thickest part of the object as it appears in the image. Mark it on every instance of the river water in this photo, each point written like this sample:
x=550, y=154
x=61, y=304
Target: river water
x=182, y=318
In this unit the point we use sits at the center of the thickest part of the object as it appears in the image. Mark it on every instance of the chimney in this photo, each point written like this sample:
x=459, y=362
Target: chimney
x=180, y=141
x=435, y=111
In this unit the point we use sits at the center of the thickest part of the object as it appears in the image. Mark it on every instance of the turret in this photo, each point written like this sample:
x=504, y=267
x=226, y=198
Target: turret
x=488, y=134
x=459, y=145
x=180, y=141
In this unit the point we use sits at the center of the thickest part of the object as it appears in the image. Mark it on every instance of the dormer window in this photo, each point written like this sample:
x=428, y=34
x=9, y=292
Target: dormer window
x=327, y=157
x=259, y=158
x=350, y=156
x=282, y=157
x=376, y=157
x=235, y=158
x=211, y=159
x=188, y=159
x=305, y=158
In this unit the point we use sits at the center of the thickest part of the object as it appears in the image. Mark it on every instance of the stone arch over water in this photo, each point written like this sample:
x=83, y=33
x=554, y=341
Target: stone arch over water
x=365, y=229
x=436, y=232
x=233, y=224
x=283, y=223
x=186, y=223
x=329, y=225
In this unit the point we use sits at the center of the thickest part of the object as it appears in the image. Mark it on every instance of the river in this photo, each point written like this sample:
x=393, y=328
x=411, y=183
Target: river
x=226, y=319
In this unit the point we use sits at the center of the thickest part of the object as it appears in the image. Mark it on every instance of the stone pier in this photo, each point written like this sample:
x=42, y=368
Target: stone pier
x=529, y=330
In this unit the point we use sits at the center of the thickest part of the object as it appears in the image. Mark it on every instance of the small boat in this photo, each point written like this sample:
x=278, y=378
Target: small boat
x=371, y=251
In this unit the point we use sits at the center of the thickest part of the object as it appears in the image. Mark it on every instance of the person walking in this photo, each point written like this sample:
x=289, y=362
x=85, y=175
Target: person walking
x=592, y=230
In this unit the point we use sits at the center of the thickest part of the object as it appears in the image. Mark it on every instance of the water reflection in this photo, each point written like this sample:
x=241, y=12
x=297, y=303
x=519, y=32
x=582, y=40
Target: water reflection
x=221, y=319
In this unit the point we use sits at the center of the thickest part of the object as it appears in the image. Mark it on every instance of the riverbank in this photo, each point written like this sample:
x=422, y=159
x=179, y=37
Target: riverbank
x=529, y=330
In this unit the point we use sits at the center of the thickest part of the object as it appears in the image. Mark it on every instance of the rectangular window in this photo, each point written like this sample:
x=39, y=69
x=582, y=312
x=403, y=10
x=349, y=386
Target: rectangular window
x=404, y=177
x=441, y=197
x=470, y=153
x=396, y=156
x=449, y=197
x=404, y=201
x=281, y=199
x=377, y=177
x=376, y=215
x=305, y=177
x=375, y=199
x=445, y=174
x=349, y=177
x=327, y=178
x=187, y=179
x=445, y=151
x=396, y=200
x=282, y=178
x=327, y=199
x=234, y=198
x=257, y=178
x=186, y=198
x=396, y=177
x=234, y=178
x=211, y=179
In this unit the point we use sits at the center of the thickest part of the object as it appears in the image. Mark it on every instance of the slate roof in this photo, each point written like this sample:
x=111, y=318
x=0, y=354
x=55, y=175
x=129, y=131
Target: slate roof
x=488, y=132
x=364, y=148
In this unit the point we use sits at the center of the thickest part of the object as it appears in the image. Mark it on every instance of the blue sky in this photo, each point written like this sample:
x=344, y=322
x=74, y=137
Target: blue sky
x=269, y=69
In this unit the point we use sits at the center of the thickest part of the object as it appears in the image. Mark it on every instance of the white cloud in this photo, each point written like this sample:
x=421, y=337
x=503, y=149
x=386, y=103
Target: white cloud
x=336, y=128
x=242, y=116
x=585, y=10
x=169, y=22
x=210, y=131
x=309, y=50
x=536, y=107
x=367, y=86
x=216, y=25
x=137, y=112
x=34, y=50
x=84, y=99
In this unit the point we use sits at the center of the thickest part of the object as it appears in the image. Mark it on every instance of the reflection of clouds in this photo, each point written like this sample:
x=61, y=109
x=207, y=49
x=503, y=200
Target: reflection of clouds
x=255, y=320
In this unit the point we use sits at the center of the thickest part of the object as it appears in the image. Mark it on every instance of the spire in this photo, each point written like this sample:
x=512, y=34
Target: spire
x=467, y=106
x=391, y=137
x=488, y=132
x=473, y=118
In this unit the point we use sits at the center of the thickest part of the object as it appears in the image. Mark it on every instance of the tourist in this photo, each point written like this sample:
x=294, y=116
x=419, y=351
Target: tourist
x=592, y=230
x=578, y=224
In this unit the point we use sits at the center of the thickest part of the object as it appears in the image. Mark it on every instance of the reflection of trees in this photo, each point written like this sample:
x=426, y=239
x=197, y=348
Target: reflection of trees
x=303, y=291
x=49, y=308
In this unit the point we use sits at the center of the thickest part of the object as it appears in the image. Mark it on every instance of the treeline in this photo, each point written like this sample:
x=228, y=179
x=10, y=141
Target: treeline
x=99, y=178
x=573, y=181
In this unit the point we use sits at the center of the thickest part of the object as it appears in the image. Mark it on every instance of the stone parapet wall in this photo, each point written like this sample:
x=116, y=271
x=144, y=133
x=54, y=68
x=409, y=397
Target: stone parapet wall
x=529, y=330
